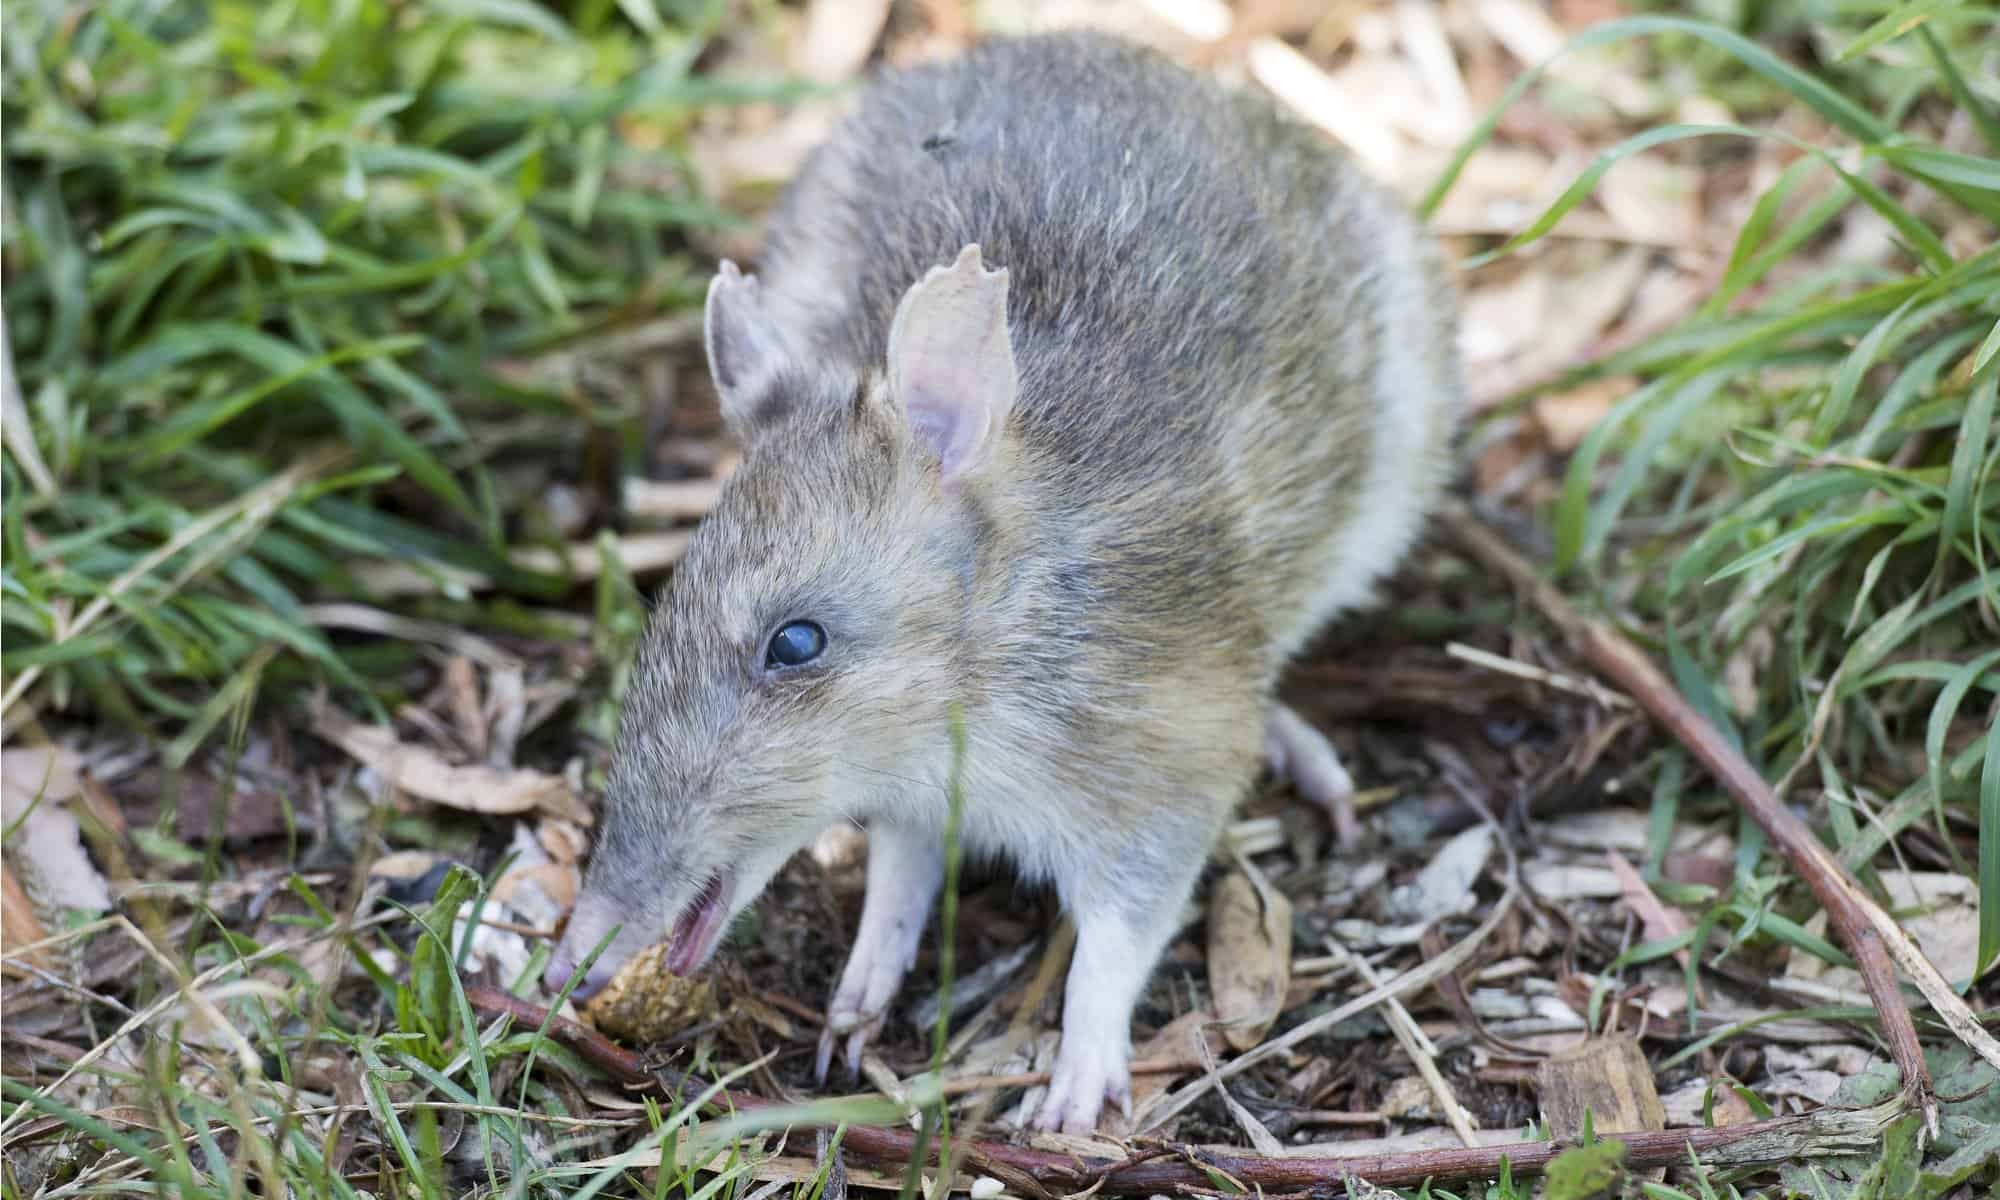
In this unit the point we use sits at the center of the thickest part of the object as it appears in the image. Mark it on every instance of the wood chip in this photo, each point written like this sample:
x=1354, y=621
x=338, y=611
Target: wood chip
x=1607, y=1078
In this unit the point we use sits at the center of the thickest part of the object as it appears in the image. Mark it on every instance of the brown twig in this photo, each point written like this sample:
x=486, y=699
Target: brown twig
x=1612, y=655
x=966, y=1085
x=1192, y=1170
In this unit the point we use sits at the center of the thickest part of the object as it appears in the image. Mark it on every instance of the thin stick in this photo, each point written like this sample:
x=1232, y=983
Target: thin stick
x=966, y=1085
x=1869, y=934
x=1520, y=670
x=1421, y=1053
x=1183, y=1169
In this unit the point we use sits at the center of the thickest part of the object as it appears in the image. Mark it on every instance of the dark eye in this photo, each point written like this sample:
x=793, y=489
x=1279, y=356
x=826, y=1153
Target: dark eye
x=795, y=645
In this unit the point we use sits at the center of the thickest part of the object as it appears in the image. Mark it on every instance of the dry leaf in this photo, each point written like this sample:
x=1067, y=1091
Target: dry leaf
x=1249, y=957
x=729, y=160
x=537, y=888
x=461, y=683
x=841, y=847
x=1690, y=1105
x=1564, y=417
x=1660, y=922
x=1939, y=909
x=1653, y=201
x=18, y=924
x=419, y=771
x=405, y=865
x=1444, y=886
x=29, y=771
x=36, y=784
x=1179, y=1039
x=640, y=553
x=1508, y=463
x=670, y=500
x=563, y=841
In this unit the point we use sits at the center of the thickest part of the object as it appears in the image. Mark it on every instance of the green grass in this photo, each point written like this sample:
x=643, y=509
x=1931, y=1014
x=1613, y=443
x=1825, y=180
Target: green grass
x=1808, y=474
x=1817, y=467
x=264, y=264
x=271, y=275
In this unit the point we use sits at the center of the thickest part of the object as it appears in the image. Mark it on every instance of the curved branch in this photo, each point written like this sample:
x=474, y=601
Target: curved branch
x=1183, y=1169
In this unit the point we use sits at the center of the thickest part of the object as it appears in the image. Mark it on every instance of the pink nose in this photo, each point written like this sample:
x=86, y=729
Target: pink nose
x=588, y=923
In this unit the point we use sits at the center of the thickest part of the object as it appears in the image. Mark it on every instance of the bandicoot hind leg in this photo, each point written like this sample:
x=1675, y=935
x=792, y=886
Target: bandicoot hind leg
x=1301, y=754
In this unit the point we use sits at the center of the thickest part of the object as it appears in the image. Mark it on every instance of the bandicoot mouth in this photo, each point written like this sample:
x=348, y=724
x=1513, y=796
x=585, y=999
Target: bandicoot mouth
x=697, y=930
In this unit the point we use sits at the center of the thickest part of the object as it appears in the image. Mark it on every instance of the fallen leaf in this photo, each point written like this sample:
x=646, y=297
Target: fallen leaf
x=563, y=841
x=1179, y=1039
x=1653, y=200
x=1659, y=921
x=1505, y=463
x=52, y=772
x=18, y=925
x=1563, y=418
x=1842, y=1060
x=1939, y=909
x=405, y=864
x=728, y=160
x=1692, y=1105
x=537, y=888
x=670, y=500
x=422, y=773
x=1444, y=886
x=1817, y=1086
x=1249, y=957
x=240, y=810
x=841, y=847
x=36, y=785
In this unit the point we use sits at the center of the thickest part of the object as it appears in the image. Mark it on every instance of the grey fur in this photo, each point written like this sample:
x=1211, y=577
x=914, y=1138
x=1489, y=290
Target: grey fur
x=1237, y=386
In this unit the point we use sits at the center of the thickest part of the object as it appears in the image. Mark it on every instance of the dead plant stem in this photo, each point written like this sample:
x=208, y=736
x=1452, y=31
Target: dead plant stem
x=1869, y=934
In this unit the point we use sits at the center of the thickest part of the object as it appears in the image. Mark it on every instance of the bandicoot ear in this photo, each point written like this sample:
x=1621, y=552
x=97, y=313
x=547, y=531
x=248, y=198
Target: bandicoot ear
x=951, y=364
x=746, y=351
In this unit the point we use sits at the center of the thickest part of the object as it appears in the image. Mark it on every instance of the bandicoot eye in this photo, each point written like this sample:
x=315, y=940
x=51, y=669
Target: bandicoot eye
x=795, y=645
